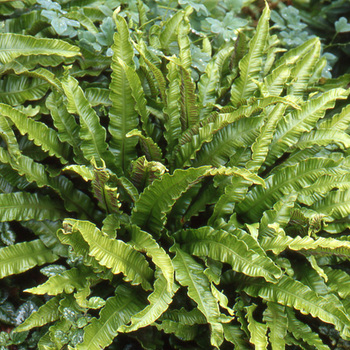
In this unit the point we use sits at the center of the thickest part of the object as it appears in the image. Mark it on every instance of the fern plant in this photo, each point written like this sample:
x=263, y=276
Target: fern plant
x=173, y=212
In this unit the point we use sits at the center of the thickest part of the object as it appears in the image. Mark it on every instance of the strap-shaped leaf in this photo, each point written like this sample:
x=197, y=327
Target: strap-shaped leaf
x=224, y=143
x=190, y=274
x=324, y=137
x=92, y=133
x=17, y=89
x=236, y=336
x=276, y=320
x=144, y=242
x=45, y=314
x=66, y=282
x=338, y=281
x=251, y=64
x=98, y=96
x=338, y=121
x=138, y=95
x=42, y=135
x=257, y=330
x=67, y=127
x=301, y=330
x=159, y=301
x=24, y=206
x=260, y=147
x=172, y=122
x=117, y=312
x=227, y=248
x=158, y=198
x=21, y=257
x=297, y=122
x=15, y=45
x=122, y=115
x=294, y=294
x=336, y=204
x=114, y=254
x=303, y=71
x=287, y=180
x=276, y=80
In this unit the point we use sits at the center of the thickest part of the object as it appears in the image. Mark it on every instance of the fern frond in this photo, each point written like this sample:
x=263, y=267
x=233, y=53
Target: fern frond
x=159, y=301
x=117, y=312
x=227, y=248
x=17, y=89
x=21, y=257
x=338, y=121
x=92, y=133
x=123, y=117
x=66, y=282
x=114, y=254
x=190, y=274
x=15, y=45
x=276, y=320
x=157, y=199
x=144, y=242
x=47, y=313
x=294, y=294
x=42, y=135
x=251, y=64
x=256, y=329
x=24, y=206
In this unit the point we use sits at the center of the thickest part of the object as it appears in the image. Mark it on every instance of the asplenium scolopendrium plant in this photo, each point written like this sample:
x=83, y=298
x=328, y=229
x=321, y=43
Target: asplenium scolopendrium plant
x=192, y=214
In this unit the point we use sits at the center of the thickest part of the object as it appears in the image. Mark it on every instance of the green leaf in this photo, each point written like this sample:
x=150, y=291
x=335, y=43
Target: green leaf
x=66, y=282
x=117, y=312
x=21, y=257
x=294, y=124
x=159, y=301
x=191, y=274
x=251, y=64
x=342, y=25
x=236, y=336
x=92, y=133
x=157, y=199
x=114, y=254
x=122, y=114
x=15, y=45
x=257, y=330
x=17, y=89
x=24, y=206
x=143, y=242
x=294, y=294
x=338, y=121
x=227, y=248
x=301, y=330
x=47, y=313
x=42, y=135
x=276, y=320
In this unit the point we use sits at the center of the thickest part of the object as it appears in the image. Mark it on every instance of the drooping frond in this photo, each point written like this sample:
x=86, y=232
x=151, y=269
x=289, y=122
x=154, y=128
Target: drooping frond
x=144, y=242
x=67, y=282
x=159, y=301
x=276, y=320
x=256, y=329
x=227, y=248
x=21, y=257
x=42, y=135
x=15, y=45
x=24, y=206
x=190, y=274
x=92, y=133
x=292, y=293
x=114, y=254
x=47, y=313
x=117, y=312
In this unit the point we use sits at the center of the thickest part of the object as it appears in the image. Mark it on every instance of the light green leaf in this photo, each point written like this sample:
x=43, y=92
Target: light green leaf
x=257, y=330
x=21, y=257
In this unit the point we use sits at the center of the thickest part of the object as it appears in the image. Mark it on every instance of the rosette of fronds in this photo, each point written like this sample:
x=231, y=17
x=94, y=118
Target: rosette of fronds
x=177, y=211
